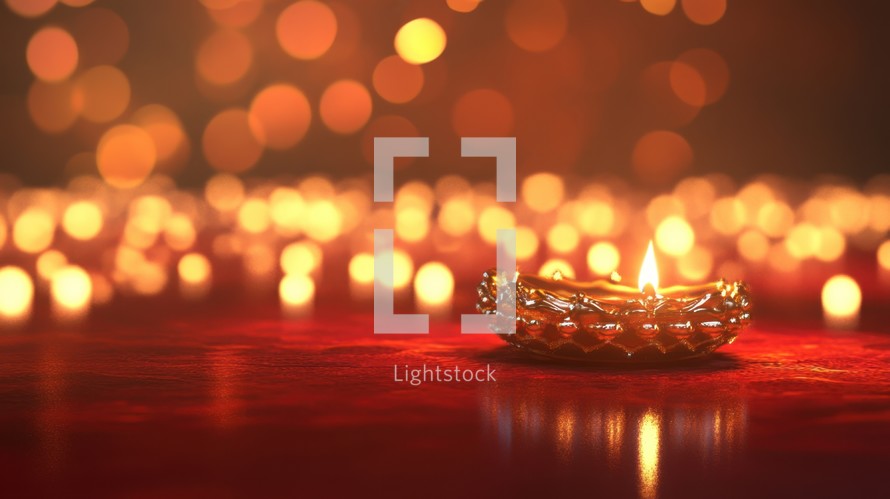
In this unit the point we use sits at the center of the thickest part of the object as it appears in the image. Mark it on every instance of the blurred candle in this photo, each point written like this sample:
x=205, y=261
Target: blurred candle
x=361, y=276
x=883, y=256
x=71, y=290
x=16, y=296
x=297, y=294
x=259, y=264
x=49, y=262
x=841, y=301
x=194, y=275
x=433, y=289
x=303, y=257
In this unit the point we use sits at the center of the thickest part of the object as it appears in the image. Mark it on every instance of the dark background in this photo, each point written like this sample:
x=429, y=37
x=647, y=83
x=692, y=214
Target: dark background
x=808, y=92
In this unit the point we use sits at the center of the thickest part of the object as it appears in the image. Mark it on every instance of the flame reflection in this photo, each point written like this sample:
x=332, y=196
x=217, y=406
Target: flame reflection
x=226, y=372
x=630, y=444
x=648, y=449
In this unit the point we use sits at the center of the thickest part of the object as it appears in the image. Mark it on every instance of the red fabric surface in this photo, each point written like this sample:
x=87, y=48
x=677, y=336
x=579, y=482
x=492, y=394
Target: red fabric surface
x=233, y=401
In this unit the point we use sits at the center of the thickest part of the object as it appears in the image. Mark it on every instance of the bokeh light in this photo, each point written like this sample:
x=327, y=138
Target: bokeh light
x=596, y=218
x=603, y=258
x=493, y=218
x=125, y=156
x=16, y=293
x=402, y=270
x=841, y=300
x=345, y=106
x=802, y=240
x=420, y=41
x=433, y=283
x=543, y=192
x=775, y=218
x=451, y=186
x=280, y=116
x=563, y=238
x=71, y=288
x=697, y=195
x=323, y=221
x=416, y=195
x=52, y=54
x=49, y=262
x=179, y=232
x=103, y=289
x=674, y=236
x=463, y=6
x=229, y=143
x=224, y=192
x=296, y=289
x=704, y=12
x=883, y=255
x=457, y=217
x=526, y=243
x=102, y=93
x=658, y=7
x=412, y=224
x=224, y=57
x=848, y=210
x=361, y=268
x=831, y=244
x=31, y=8
x=253, y=216
x=728, y=216
x=711, y=68
x=306, y=29
x=688, y=84
x=33, y=230
x=286, y=208
x=259, y=260
x=752, y=245
x=302, y=257
x=397, y=81
x=166, y=131
x=194, y=268
x=82, y=220
x=663, y=206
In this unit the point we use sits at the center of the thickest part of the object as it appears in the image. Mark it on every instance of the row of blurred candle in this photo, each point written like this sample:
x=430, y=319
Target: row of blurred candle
x=89, y=241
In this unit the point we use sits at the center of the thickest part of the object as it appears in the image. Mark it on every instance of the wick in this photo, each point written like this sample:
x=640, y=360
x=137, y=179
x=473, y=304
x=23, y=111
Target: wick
x=649, y=290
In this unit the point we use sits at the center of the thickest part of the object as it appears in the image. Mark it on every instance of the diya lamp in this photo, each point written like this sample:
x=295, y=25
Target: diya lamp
x=604, y=321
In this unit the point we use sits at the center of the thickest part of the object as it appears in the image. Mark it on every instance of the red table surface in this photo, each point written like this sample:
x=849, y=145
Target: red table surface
x=232, y=401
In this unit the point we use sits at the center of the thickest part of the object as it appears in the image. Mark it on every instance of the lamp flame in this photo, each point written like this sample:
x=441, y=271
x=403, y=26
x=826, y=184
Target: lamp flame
x=649, y=270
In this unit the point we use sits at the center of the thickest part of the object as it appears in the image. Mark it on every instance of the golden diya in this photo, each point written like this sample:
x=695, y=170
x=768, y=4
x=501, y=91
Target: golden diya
x=604, y=321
